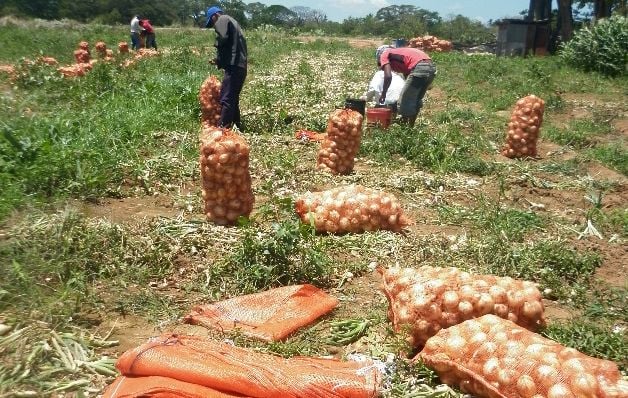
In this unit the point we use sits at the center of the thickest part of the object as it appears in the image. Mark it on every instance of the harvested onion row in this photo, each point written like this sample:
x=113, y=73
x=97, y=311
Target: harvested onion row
x=524, y=126
x=492, y=357
x=351, y=209
x=429, y=299
x=338, y=149
x=224, y=162
x=209, y=97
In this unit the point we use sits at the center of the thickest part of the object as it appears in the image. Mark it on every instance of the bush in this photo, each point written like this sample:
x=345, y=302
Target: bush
x=603, y=48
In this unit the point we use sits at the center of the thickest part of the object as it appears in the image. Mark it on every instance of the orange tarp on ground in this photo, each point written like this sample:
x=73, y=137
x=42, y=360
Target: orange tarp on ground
x=271, y=315
x=239, y=371
x=160, y=387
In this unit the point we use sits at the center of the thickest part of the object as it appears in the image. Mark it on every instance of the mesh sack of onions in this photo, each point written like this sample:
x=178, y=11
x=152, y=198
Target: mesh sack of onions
x=225, y=176
x=84, y=46
x=492, y=357
x=209, y=97
x=123, y=47
x=427, y=299
x=338, y=150
x=351, y=209
x=81, y=56
x=523, y=128
x=101, y=48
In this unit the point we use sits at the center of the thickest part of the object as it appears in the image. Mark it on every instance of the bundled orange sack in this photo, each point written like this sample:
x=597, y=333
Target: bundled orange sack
x=159, y=387
x=123, y=47
x=225, y=175
x=492, y=357
x=271, y=315
x=209, y=98
x=428, y=299
x=81, y=56
x=353, y=208
x=338, y=149
x=234, y=370
x=524, y=127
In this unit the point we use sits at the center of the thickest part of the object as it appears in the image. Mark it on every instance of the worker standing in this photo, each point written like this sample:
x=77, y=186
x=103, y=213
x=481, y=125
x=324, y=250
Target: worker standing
x=135, y=32
x=231, y=57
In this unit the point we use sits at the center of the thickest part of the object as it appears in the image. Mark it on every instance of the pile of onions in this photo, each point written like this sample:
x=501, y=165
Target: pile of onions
x=524, y=126
x=430, y=43
x=81, y=56
x=351, y=209
x=75, y=70
x=493, y=357
x=338, y=149
x=209, y=97
x=47, y=60
x=428, y=299
x=123, y=47
x=101, y=48
x=146, y=52
x=225, y=176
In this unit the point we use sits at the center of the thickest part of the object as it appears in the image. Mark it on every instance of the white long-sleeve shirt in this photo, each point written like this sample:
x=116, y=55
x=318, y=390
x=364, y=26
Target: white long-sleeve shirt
x=135, y=25
x=377, y=85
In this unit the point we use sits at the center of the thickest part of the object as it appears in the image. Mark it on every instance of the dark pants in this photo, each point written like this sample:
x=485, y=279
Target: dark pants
x=149, y=41
x=232, y=84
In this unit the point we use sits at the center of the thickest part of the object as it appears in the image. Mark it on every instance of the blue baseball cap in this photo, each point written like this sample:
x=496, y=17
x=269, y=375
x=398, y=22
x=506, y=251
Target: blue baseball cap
x=210, y=13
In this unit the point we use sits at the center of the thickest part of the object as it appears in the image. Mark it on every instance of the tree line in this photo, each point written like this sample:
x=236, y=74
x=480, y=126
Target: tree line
x=405, y=21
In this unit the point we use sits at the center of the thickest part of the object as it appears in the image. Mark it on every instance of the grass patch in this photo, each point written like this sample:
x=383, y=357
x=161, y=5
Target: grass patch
x=492, y=218
x=581, y=133
x=443, y=151
x=593, y=339
x=614, y=156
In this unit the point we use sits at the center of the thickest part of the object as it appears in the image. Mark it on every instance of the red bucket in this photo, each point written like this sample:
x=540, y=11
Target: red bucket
x=378, y=117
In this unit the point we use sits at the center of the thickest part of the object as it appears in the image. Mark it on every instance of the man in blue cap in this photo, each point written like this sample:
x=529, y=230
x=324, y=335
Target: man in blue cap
x=231, y=56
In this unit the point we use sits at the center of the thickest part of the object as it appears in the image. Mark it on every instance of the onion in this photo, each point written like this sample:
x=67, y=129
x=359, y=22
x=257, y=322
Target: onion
x=546, y=375
x=559, y=391
x=526, y=387
x=515, y=299
x=584, y=385
x=434, y=344
x=450, y=300
x=532, y=310
x=465, y=309
x=505, y=377
x=501, y=310
x=485, y=304
x=468, y=293
x=478, y=339
x=454, y=345
x=490, y=369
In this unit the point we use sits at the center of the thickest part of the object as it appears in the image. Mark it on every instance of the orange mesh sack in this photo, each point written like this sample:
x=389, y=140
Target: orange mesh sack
x=235, y=370
x=353, y=208
x=428, y=299
x=225, y=175
x=209, y=97
x=338, y=149
x=524, y=126
x=101, y=48
x=81, y=56
x=492, y=357
x=159, y=387
x=123, y=47
x=271, y=315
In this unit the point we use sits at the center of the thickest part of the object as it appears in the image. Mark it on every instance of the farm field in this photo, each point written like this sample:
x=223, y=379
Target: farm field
x=103, y=241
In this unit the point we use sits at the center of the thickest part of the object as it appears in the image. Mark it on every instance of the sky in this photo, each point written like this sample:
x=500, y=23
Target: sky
x=481, y=10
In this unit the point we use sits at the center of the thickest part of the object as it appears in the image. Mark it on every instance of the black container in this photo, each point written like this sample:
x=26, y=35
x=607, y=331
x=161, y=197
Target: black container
x=356, y=105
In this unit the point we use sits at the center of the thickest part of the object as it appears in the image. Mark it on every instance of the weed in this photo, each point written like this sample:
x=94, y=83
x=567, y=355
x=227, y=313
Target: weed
x=615, y=156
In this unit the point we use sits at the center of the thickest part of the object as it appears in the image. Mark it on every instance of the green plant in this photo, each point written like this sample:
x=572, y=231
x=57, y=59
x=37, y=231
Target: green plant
x=597, y=340
x=288, y=253
x=602, y=48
